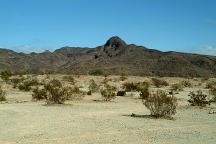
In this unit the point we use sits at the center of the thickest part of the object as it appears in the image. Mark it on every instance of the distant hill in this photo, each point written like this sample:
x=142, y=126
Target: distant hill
x=114, y=57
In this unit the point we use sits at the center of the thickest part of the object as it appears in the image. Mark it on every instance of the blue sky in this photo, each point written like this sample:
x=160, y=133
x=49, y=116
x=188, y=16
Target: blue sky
x=167, y=25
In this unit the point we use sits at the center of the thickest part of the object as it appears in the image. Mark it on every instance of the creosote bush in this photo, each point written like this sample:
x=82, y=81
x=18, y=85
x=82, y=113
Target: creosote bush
x=161, y=104
x=108, y=93
x=16, y=81
x=198, y=99
x=56, y=93
x=159, y=82
x=121, y=93
x=2, y=94
x=93, y=87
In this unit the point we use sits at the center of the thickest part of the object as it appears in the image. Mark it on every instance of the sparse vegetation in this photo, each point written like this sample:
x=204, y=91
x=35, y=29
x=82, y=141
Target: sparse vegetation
x=161, y=104
x=130, y=86
x=198, y=99
x=108, y=93
x=2, y=94
x=159, y=82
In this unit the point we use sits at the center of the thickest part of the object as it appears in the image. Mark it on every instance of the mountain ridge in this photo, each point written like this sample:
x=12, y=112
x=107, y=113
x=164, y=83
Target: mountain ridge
x=114, y=57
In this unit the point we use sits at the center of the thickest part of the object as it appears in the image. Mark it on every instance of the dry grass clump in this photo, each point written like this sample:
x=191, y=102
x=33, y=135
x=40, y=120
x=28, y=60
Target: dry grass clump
x=159, y=82
x=2, y=94
x=108, y=92
x=160, y=104
x=198, y=98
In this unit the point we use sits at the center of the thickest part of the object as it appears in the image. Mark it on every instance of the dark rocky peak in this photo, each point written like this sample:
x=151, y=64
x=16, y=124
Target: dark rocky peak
x=115, y=42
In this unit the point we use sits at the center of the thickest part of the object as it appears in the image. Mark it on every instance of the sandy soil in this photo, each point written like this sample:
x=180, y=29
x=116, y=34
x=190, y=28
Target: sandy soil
x=91, y=122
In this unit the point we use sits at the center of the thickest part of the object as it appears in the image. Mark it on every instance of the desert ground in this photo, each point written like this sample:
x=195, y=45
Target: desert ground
x=93, y=121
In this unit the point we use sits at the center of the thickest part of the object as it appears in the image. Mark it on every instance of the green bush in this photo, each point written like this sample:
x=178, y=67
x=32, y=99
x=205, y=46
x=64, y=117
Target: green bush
x=2, y=94
x=160, y=104
x=159, y=82
x=93, y=87
x=96, y=72
x=198, y=98
x=108, y=93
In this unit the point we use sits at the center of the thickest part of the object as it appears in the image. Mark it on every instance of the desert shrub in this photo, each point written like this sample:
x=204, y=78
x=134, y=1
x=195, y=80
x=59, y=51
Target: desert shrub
x=15, y=81
x=56, y=93
x=130, y=86
x=198, y=98
x=27, y=84
x=72, y=93
x=69, y=79
x=210, y=84
x=186, y=83
x=93, y=87
x=176, y=87
x=213, y=93
x=144, y=92
x=159, y=82
x=121, y=93
x=161, y=104
x=39, y=94
x=5, y=75
x=96, y=72
x=108, y=93
x=2, y=94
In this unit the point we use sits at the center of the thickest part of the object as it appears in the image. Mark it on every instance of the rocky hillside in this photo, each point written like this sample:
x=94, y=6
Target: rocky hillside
x=114, y=57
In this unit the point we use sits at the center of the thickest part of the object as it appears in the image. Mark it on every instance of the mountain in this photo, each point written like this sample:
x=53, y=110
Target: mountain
x=114, y=57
